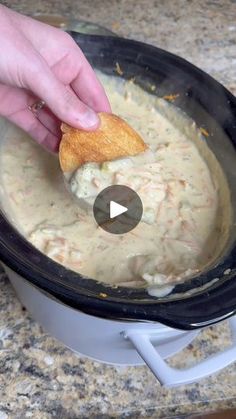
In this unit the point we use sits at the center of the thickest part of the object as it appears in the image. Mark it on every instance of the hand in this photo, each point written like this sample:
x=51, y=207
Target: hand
x=38, y=61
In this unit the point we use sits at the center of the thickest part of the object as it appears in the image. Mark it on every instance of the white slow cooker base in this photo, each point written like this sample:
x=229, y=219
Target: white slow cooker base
x=99, y=339
x=120, y=342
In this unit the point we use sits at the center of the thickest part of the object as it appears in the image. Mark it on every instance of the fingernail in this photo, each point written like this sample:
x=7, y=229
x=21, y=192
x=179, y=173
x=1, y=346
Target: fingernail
x=88, y=119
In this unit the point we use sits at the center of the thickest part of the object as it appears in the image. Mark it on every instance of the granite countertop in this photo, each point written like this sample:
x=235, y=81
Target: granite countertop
x=39, y=377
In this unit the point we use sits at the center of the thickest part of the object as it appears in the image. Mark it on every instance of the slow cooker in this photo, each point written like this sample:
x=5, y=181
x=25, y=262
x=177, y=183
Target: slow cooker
x=126, y=325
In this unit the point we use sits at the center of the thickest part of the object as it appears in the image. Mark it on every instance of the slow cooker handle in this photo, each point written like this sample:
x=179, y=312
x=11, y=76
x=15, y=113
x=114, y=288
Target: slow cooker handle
x=171, y=377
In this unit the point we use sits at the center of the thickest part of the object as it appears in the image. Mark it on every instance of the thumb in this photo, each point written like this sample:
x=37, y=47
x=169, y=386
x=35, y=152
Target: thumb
x=61, y=99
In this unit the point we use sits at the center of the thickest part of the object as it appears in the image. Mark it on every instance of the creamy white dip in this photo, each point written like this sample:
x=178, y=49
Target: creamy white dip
x=184, y=193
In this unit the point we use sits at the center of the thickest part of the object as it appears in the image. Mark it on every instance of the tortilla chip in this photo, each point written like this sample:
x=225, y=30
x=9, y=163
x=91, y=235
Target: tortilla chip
x=113, y=139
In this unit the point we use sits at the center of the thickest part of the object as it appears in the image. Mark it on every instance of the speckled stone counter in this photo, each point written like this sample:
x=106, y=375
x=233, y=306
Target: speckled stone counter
x=39, y=377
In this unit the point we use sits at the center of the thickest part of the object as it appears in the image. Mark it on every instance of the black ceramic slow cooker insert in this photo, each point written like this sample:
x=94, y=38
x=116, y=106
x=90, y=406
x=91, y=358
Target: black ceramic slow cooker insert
x=205, y=299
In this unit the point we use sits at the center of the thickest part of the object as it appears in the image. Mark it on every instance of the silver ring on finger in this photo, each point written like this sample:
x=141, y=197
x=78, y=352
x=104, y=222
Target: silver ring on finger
x=36, y=107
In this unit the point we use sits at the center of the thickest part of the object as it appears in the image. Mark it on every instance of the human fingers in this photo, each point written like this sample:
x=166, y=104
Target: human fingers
x=87, y=86
x=15, y=106
x=60, y=98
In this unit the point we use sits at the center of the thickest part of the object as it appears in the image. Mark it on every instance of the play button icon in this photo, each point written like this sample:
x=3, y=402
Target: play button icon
x=117, y=209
